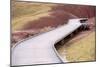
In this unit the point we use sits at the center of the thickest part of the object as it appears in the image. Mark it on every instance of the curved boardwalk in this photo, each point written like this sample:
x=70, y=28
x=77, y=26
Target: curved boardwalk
x=40, y=49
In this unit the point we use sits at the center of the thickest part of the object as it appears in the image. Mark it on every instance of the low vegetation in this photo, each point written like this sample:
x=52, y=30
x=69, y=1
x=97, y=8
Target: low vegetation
x=23, y=12
x=80, y=50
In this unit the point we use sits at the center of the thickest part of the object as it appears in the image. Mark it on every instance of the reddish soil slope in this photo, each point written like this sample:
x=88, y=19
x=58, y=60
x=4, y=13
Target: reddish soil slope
x=78, y=10
x=59, y=15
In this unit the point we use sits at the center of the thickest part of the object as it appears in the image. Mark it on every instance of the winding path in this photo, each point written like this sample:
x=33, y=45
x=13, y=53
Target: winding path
x=40, y=49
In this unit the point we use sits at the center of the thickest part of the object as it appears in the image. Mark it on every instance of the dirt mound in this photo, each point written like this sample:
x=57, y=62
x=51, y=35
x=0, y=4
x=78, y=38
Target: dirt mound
x=60, y=14
x=77, y=10
x=55, y=19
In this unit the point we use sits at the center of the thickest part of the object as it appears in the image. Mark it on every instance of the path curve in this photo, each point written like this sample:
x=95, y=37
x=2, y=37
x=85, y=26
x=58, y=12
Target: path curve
x=40, y=49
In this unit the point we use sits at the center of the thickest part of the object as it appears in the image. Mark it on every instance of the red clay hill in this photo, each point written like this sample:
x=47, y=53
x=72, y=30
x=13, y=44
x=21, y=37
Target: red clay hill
x=59, y=15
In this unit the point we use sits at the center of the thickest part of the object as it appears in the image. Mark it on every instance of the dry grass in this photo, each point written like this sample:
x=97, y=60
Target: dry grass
x=23, y=12
x=25, y=8
x=81, y=50
x=20, y=22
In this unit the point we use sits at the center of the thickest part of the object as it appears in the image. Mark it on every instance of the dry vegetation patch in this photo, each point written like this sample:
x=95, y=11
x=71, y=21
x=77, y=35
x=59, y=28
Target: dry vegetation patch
x=79, y=50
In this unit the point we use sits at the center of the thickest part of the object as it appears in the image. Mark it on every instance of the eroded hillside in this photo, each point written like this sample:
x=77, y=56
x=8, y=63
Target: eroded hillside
x=30, y=18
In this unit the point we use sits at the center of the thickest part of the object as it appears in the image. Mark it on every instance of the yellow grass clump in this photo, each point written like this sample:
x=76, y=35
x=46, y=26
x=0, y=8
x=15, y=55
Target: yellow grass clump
x=81, y=50
x=24, y=12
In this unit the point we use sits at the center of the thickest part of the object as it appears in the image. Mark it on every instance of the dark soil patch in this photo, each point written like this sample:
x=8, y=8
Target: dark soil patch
x=77, y=10
x=55, y=19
